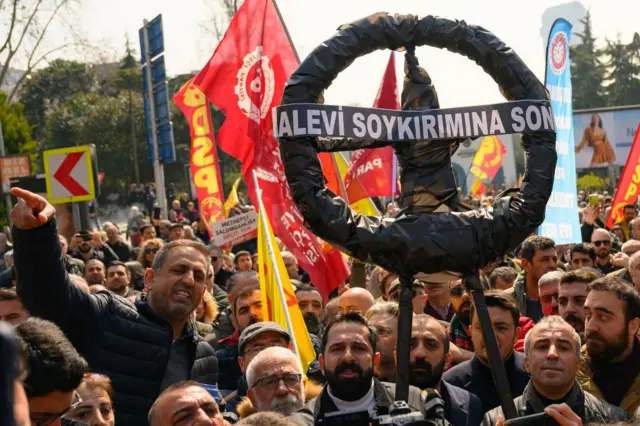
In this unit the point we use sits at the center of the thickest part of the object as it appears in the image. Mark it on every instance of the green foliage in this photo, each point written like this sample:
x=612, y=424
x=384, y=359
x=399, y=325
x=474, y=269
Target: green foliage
x=623, y=71
x=592, y=183
x=587, y=71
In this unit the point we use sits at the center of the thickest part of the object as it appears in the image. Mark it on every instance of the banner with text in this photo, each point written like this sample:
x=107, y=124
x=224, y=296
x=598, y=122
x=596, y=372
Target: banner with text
x=236, y=229
x=561, y=218
x=204, y=155
x=628, y=188
x=13, y=166
x=302, y=120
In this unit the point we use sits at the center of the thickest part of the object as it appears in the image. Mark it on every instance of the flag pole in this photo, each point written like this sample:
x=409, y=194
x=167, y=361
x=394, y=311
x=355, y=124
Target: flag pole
x=286, y=30
x=272, y=257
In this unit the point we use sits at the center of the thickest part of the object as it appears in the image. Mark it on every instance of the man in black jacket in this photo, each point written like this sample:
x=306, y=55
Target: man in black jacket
x=552, y=356
x=347, y=361
x=475, y=374
x=428, y=358
x=144, y=346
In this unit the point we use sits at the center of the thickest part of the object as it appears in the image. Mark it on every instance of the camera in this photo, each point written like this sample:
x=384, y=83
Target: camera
x=399, y=414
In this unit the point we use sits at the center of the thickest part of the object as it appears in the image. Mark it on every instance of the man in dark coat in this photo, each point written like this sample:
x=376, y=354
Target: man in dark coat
x=552, y=355
x=428, y=358
x=475, y=374
x=144, y=346
x=347, y=361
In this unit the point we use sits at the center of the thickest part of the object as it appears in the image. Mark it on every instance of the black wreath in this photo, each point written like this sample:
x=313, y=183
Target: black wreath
x=417, y=240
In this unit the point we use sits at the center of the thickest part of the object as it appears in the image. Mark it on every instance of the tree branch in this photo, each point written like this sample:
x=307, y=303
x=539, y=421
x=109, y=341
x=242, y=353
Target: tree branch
x=14, y=13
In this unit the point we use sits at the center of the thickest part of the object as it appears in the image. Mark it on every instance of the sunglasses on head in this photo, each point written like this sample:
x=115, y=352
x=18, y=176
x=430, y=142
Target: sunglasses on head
x=601, y=242
x=151, y=250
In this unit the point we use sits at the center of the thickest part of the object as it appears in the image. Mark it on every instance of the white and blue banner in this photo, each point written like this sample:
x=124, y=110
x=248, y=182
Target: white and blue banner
x=561, y=220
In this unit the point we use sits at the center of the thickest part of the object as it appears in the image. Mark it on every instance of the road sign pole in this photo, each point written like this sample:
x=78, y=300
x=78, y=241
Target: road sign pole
x=158, y=169
x=7, y=195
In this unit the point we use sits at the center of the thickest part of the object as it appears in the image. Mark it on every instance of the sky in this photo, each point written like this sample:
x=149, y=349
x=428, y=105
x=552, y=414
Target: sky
x=458, y=80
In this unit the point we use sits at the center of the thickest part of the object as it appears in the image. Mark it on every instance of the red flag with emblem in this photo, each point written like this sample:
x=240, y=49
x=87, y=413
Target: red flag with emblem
x=245, y=78
x=372, y=171
x=488, y=158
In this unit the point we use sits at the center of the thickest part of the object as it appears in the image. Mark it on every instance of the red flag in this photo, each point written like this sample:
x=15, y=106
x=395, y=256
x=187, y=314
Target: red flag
x=371, y=172
x=245, y=78
x=204, y=155
x=488, y=158
x=629, y=186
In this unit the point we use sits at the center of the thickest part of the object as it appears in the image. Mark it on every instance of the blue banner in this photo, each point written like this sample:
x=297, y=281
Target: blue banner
x=561, y=219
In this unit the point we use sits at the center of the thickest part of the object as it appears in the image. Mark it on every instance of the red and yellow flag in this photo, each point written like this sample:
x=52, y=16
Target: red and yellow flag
x=273, y=307
x=204, y=154
x=478, y=189
x=628, y=188
x=488, y=158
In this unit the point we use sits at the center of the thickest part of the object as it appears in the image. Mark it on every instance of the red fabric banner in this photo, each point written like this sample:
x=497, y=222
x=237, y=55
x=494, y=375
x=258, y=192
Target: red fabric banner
x=204, y=155
x=488, y=158
x=629, y=186
x=371, y=172
x=245, y=78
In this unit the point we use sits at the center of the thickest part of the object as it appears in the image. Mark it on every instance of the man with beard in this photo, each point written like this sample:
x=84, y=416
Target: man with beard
x=246, y=309
x=548, y=291
x=94, y=272
x=348, y=359
x=144, y=346
x=311, y=305
x=459, y=327
x=475, y=374
x=572, y=293
x=119, y=279
x=429, y=357
x=602, y=240
x=90, y=246
x=123, y=250
x=610, y=362
x=276, y=381
x=552, y=352
x=538, y=257
x=383, y=316
x=582, y=255
x=634, y=269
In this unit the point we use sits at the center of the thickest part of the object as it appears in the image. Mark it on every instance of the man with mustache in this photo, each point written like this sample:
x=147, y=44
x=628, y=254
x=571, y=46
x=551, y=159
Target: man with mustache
x=552, y=353
x=429, y=357
x=94, y=272
x=475, y=374
x=347, y=360
x=572, y=293
x=548, y=291
x=602, y=240
x=459, y=327
x=312, y=307
x=383, y=316
x=143, y=346
x=246, y=309
x=90, y=246
x=610, y=362
x=582, y=255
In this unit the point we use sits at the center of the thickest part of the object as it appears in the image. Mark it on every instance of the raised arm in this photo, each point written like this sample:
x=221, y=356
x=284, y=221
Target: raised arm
x=43, y=284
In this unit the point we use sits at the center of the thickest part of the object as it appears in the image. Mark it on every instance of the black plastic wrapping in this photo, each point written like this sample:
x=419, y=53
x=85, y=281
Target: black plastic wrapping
x=418, y=241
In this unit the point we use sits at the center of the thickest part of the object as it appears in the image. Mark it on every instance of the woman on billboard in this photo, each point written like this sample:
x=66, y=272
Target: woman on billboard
x=595, y=136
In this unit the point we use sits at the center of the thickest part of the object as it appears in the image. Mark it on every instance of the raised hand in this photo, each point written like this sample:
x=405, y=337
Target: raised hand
x=31, y=210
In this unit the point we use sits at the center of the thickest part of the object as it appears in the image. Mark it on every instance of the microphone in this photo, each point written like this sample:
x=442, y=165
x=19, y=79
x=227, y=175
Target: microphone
x=433, y=403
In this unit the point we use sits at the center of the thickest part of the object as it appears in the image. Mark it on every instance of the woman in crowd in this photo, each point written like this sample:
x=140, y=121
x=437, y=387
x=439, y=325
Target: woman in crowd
x=96, y=408
x=206, y=313
x=148, y=252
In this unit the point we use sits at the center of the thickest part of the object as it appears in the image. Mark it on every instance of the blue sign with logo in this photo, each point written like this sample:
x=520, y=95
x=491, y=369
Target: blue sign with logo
x=561, y=219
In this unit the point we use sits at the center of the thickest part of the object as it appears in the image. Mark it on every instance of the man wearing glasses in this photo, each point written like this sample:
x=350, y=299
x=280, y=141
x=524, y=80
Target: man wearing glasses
x=217, y=260
x=601, y=239
x=275, y=380
x=55, y=370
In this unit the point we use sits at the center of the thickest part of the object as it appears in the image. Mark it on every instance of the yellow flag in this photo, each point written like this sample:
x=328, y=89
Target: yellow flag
x=272, y=304
x=232, y=199
x=364, y=206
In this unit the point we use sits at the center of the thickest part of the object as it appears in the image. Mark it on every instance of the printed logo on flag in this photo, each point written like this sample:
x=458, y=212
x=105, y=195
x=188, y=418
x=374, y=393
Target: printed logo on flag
x=559, y=52
x=256, y=85
x=213, y=204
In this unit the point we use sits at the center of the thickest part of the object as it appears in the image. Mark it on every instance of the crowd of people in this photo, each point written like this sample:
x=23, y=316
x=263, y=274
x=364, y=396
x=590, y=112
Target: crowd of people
x=156, y=325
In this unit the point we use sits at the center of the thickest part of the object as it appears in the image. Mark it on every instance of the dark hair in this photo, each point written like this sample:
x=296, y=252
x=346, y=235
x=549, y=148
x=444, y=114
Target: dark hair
x=163, y=253
x=584, y=248
x=579, y=276
x=7, y=294
x=307, y=287
x=629, y=206
x=531, y=244
x=145, y=226
x=53, y=363
x=499, y=299
x=506, y=273
x=180, y=385
x=349, y=317
x=117, y=263
x=239, y=254
x=445, y=336
x=625, y=292
x=243, y=293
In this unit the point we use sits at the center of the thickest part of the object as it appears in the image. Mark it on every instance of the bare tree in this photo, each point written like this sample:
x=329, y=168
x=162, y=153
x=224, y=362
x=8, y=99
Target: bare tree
x=27, y=24
x=221, y=14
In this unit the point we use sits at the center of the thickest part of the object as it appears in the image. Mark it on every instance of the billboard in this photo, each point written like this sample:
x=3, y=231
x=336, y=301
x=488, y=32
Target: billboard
x=603, y=137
